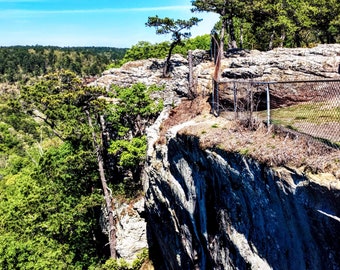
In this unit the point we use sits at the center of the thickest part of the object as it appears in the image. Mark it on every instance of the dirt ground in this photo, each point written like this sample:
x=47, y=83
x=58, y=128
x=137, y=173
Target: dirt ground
x=268, y=146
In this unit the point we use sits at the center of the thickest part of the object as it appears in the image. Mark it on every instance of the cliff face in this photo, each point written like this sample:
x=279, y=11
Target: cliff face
x=209, y=209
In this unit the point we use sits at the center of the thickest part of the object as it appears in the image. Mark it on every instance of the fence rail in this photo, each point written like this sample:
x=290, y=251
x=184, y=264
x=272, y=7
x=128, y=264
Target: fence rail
x=308, y=107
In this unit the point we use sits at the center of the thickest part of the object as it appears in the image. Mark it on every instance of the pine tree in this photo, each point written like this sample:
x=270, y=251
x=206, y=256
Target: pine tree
x=174, y=27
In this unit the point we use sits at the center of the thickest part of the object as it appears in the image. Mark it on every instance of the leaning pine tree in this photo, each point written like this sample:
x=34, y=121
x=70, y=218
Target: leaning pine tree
x=174, y=27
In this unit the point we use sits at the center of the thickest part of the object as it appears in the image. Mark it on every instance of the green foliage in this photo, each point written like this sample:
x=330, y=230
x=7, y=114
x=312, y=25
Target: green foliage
x=174, y=27
x=133, y=110
x=146, y=50
x=64, y=104
x=7, y=140
x=199, y=42
x=171, y=26
x=130, y=152
x=123, y=265
x=129, y=117
x=265, y=24
x=50, y=195
x=21, y=62
x=47, y=211
x=59, y=99
x=49, y=190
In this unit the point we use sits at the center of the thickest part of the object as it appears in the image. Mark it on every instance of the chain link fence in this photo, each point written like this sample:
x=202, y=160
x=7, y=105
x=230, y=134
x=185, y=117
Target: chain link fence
x=307, y=107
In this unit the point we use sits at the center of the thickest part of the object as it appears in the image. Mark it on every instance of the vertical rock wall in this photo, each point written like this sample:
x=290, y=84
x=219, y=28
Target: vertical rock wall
x=208, y=209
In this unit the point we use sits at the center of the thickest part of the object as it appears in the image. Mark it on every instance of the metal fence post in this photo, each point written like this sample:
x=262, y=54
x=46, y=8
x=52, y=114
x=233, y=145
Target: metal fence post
x=268, y=105
x=251, y=109
x=213, y=97
x=216, y=98
x=192, y=93
x=235, y=101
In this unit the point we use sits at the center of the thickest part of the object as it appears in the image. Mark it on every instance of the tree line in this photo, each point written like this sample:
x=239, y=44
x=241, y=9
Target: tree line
x=19, y=63
x=265, y=24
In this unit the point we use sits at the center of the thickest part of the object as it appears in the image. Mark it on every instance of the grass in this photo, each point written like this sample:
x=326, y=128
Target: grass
x=316, y=113
x=320, y=120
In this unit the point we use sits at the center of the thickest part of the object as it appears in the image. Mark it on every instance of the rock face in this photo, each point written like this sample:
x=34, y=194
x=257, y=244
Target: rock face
x=131, y=230
x=131, y=236
x=208, y=209
x=283, y=64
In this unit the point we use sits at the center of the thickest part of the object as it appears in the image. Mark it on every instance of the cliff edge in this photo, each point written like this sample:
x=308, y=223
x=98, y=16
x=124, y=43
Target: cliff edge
x=213, y=208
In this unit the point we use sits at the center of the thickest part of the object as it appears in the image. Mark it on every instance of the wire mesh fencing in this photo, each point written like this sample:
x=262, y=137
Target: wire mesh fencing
x=307, y=107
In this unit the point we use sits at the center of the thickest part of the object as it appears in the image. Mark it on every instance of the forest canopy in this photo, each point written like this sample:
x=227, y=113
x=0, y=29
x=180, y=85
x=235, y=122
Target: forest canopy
x=19, y=63
x=266, y=24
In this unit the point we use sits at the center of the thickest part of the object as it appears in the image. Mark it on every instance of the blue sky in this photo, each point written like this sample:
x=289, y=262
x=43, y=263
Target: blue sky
x=115, y=23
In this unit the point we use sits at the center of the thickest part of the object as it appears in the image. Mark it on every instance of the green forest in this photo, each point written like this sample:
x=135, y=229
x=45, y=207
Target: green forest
x=19, y=63
x=64, y=144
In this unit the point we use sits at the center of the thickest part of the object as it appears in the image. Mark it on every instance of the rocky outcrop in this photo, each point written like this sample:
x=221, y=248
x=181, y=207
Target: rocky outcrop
x=150, y=72
x=212, y=210
x=209, y=209
x=281, y=64
x=131, y=236
x=131, y=230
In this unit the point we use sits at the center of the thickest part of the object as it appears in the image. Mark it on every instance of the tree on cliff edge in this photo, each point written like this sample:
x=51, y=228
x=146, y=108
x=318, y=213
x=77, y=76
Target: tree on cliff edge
x=170, y=26
x=93, y=122
x=221, y=7
x=73, y=112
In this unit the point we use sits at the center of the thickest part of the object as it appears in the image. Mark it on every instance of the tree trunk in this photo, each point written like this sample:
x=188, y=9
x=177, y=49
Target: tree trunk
x=241, y=35
x=232, y=33
x=220, y=52
x=282, y=38
x=107, y=195
x=297, y=39
x=192, y=92
x=221, y=48
x=271, y=41
x=166, y=69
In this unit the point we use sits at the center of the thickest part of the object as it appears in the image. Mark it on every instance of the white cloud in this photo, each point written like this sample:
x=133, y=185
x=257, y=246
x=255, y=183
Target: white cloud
x=28, y=13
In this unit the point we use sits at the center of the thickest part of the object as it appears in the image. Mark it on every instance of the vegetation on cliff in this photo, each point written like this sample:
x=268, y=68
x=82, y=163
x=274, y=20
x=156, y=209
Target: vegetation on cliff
x=50, y=193
x=146, y=50
x=175, y=28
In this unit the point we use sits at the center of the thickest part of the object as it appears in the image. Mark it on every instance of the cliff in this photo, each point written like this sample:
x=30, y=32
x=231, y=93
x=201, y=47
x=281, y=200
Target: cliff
x=209, y=204
x=214, y=209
